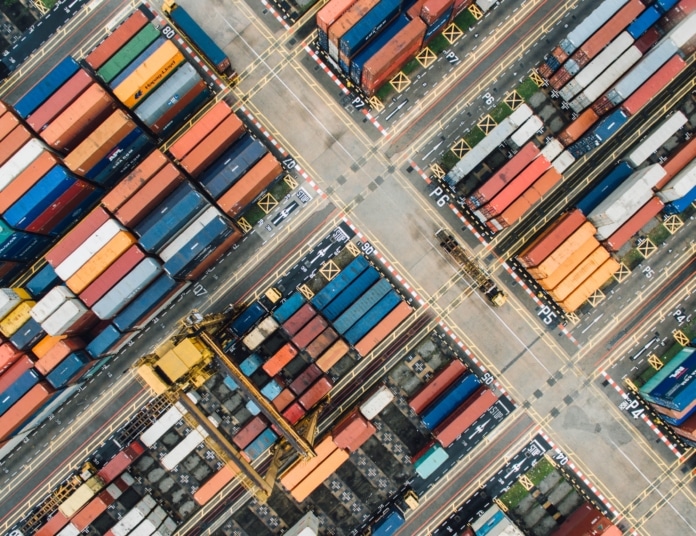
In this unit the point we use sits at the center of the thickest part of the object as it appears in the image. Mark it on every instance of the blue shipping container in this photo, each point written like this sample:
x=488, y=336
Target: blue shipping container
x=248, y=318
x=389, y=524
x=644, y=21
x=369, y=26
x=437, y=26
x=69, y=370
x=105, y=342
x=322, y=39
x=28, y=335
x=682, y=374
x=192, y=107
x=125, y=156
x=373, y=317
x=18, y=389
x=69, y=220
x=361, y=306
x=350, y=294
x=262, y=443
x=666, y=5
x=608, y=126
x=238, y=160
x=42, y=281
x=322, y=298
x=490, y=524
x=271, y=390
x=165, y=207
x=46, y=87
x=252, y=408
x=251, y=364
x=199, y=38
x=39, y=197
x=198, y=248
x=680, y=205
x=289, y=307
x=357, y=63
x=451, y=399
x=172, y=217
x=105, y=164
x=229, y=383
x=137, y=62
x=427, y=464
x=553, y=63
x=147, y=301
x=606, y=186
x=21, y=246
x=677, y=422
x=678, y=360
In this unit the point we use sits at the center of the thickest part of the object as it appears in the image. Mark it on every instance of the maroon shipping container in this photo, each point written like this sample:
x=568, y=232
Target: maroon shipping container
x=464, y=416
x=59, y=101
x=200, y=129
x=434, y=9
x=677, y=14
x=646, y=41
x=20, y=366
x=121, y=461
x=92, y=511
x=167, y=117
x=26, y=179
x=112, y=275
x=634, y=224
x=382, y=66
x=315, y=393
x=76, y=236
x=297, y=321
x=308, y=376
x=119, y=37
x=352, y=431
x=293, y=413
x=284, y=399
x=310, y=332
x=584, y=520
x=211, y=147
x=321, y=343
x=149, y=196
x=551, y=238
x=214, y=256
x=62, y=207
x=135, y=180
x=13, y=142
x=678, y=159
x=438, y=383
x=249, y=432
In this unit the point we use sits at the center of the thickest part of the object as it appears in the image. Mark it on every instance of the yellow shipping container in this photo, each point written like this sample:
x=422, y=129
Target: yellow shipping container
x=321, y=473
x=583, y=270
x=101, y=260
x=42, y=347
x=301, y=468
x=22, y=293
x=562, y=252
x=16, y=318
x=153, y=71
x=567, y=266
x=591, y=284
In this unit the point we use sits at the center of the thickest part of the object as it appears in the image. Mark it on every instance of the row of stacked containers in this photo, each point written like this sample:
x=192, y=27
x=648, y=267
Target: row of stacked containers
x=161, y=219
x=369, y=41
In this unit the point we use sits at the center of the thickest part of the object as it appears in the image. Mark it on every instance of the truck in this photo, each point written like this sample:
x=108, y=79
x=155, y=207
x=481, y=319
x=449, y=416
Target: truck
x=199, y=38
x=392, y=518
x=478, y=275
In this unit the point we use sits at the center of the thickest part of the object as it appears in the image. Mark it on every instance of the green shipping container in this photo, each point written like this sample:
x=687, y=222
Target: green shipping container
x=128, y=53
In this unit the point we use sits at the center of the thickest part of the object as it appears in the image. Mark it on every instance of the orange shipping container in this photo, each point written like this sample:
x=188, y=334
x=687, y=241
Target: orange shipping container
x=135, y=180
x=577, y=128
x=562, y=252
x=24, y=408
x=281, y=358
x=583, y=270
x=213, y=145
x=42, y=347
x=200, y=129
x=331, y=12
x=301, y=468
x=8, y=122
x=13, y=142
x=567, y=266
x=101, y=260
x=345, y=22
x=380, y=332
x=255, y=181
x=8, y=355
x=542, y=186
x=589, y=286
x=99, y=143
x=551, y=238
x=149, y=196
x=321, y=473
x=72, y=126
x=92, y=511
x=333, y=355
x=678, y=161
x=284, y=399
x=55, y=355
x=215, y=484
x=26, y=179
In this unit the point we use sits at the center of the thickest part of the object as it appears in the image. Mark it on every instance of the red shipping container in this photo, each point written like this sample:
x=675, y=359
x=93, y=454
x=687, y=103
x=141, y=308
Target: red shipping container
x=321, y=343
x=213, y=145
x=294, y=413
x=439, y=382
x=308, y=376
x=8, y=355
x=92, y=511
x=119, y=37
x=13, y=142
x=214, y=256
x=653, y=85
x=551, y=238
x=165, y=119
x=560, y=78
x=678, y=160
x=55, y=355
x=20, y=366
x=24, y=408
x=464, y=416
x=53, y=526
x=297, y=321
x=59, y=101
x=149, y=196
x=248, y=188
x=62, y=207
x=200, y=129
x=434, y=9
x=281, y=358
x=249, y=432
x=81, y=232
x=134, y=181
x=26, y=179
x=112, y=275
x=352, y=431
x=284, y=399
x=310, y=332
x=121, y=462
x=315, y=393
x=634, y=224
x=331, y=12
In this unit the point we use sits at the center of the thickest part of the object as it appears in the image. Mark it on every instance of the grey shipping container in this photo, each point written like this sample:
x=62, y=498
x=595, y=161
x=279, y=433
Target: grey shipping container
x=344, y=322
x=126, y=289
x=160, y=100
x=232, y=165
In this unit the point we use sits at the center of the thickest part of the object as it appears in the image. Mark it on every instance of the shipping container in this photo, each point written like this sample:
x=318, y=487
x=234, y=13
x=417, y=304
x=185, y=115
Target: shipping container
x=605, y=187
x=330, y=13
x=12, y=374
x=378, y=399
x=91, y=244
x=284, y=399
x=427, y=464
x=200, y=39
x=14, y=187
x=564, y=250
x=11, y=298
x=58, y=353
x=298, y=320
x=590, y=285
x=375, y=45
x=249, y=432
x=436, y=412
x=13, y=142
x=464, y=416
x=28, y=335
x=356, y=267
x=352, y=431
x=261, y=444
x=75, y=238
x=309, y=332
x=344, y=23
x=260, y=333
x=133, y=517
x=70, y=370
x=680, y=185
x=101, y=260
x=383, y=329
x=271, y=390
x=92, y=511
x=305, y=379
x=70, y=318
x=332, y=355
x=20, y=246
x=569, y=264
x=250, y=186
x=656, y=139
x=315, y=393
x=551, y=238
x=122, y=461
x=122, y=158
x=61, y=99
x=181, y=109
x=112, y=275
x=207, y=123
x=392, y=521
x=8, y=355
x=590, y=24
x=577, y=128
x=162, y=425
x=16, y=318
x=185, y=447
x=24, y=408
x=361, y=306
x=17, y=388
x=46, y=87
x=248, y=318
x=653, y=85
x=633, y=225
x=325, y=469
x=16, y=165
x=680, y=205
x=206, y=264
x=281, y=358
x=160, y=100
x=134, y=181
x=525, y=132
x=321, y=343
x=148, y=301
x=47, y=305
x=251, y=364
x=299, y=470
x=126, y=289
x=150, y=196
x=128, y=52
x=215, y=484
x=117, y=39
x=579, y=274
x=444, y=378
x=212, y=146
x=232, y=165
x=372, y=317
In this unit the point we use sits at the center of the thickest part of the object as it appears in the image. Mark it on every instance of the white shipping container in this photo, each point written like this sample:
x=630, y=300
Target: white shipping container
x=526, y=131
x=187, y=445
x=65, y=317
x=9, y=299
x=260, y=333
x=20, y=161
x=656, y=139
x=128, y=480
x=87, y=249
x=621, y=212
x=520, y=115
x=126, y=289
x=162, y=425
x=683, y=32
x=591, y=24
x=379, y=400
x=69, y=530
x=563, y=161
x=552, y=149
x=680, y=185
x=151, y=522
x=48, y=305
x=604, y=59
x=128, y=522
x=486, y=5
x=114, y=491
x=188, y=233
x=167, y=528
x=307, y=526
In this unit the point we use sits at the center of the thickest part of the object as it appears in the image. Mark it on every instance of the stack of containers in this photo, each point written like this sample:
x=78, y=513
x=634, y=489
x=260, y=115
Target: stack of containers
x=678, y=189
